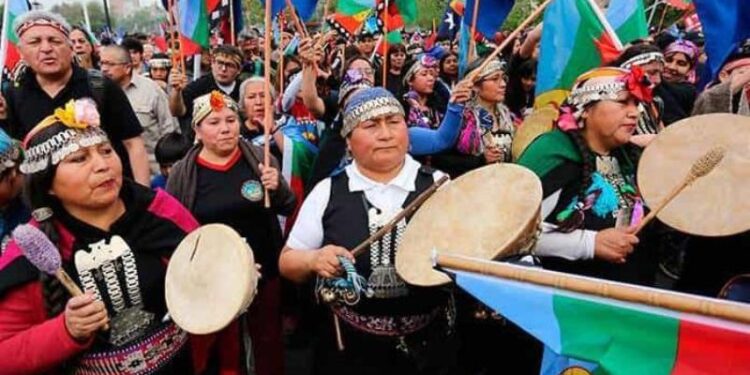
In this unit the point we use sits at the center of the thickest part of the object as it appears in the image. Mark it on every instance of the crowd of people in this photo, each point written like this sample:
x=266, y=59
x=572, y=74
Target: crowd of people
x=118, y=142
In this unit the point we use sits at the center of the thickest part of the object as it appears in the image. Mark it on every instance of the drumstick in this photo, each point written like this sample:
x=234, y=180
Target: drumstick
x=701, y=167
x=413, y=206
x=44, y=255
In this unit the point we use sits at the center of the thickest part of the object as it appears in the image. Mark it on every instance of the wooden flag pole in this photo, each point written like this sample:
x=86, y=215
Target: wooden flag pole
x=538, y=11
x=325, y=15
x=385, y=43
x=732, y=311
x=232, y=38
x=268, y=109
x=473, y=41
x=175, y=18
x=663, y=15
x=281, y=52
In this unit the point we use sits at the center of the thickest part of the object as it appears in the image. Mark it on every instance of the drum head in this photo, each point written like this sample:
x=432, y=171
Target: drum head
x=540, y=121
x=716, y=204
x=211, y=279
x=482, y=214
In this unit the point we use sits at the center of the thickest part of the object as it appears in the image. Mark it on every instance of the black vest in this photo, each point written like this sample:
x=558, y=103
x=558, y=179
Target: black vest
x=345, y=224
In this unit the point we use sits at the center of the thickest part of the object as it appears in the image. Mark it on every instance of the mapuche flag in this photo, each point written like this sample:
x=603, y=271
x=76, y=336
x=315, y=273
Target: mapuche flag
x=9, y=45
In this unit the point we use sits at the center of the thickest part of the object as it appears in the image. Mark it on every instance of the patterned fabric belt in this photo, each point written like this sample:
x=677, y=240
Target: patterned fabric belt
x=386, y=325
x=145, y=356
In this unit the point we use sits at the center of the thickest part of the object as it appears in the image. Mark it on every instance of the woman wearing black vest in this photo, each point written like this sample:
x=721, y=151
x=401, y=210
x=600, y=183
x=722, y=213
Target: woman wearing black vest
x=397, y=329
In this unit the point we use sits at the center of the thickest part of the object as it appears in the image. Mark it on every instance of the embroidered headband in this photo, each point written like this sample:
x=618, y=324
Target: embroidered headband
x=643, y=59
x=81, y=119
x=212, y=102
x=40, y=18
x=160, y=63
x=424, y=62
x=601, y=84
x=367, y=104
x=492, y=67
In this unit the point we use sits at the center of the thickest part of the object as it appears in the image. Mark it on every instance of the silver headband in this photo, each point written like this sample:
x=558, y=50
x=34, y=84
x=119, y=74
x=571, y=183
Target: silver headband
x=492, y=67
x=368, y=110
x=643, y=59
x=57, y=148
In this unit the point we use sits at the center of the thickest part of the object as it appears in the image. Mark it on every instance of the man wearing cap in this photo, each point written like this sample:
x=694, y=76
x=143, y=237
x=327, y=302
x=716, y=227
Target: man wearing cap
x=226, y=61
x=52, y=80
x=393, y=328
x=149, y=101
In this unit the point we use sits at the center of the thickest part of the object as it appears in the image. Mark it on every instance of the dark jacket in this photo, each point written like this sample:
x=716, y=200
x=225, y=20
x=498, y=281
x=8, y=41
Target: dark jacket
x=182, y=182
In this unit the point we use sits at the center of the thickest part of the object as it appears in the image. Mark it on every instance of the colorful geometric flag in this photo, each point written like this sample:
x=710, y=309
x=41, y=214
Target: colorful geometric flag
x=490, y=15
x=619, y=338
x=628, y=19
x=194, y=26
x=351, y=15
x=297, y=162
x=9, y=44
x=219, y=16
x=726, y=24
x=574, y=40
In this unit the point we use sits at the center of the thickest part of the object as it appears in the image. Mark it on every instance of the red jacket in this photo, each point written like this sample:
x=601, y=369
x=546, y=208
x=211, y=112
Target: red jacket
x=30, y=343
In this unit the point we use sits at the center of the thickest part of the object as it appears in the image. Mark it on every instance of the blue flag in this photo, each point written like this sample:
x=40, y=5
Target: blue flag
x=305, y=8
x=449, y=25
x=490, y=16
x=726, y=23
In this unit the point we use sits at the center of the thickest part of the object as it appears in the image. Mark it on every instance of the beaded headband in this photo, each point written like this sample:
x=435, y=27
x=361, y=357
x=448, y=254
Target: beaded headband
x=82, y=130
x=492, y=67
x=424, y=62
x=643, y=59
x=368, y=104
x=160, y=63
x=41, y=18
x=212, y=102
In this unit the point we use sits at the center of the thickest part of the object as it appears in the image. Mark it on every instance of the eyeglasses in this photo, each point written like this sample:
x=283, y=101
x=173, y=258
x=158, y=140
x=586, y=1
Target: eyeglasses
x=226, y=64
x=365, y=71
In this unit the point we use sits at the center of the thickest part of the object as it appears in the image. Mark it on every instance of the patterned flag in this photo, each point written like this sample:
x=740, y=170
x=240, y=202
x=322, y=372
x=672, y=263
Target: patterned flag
x=451, y=20
x=8, y=46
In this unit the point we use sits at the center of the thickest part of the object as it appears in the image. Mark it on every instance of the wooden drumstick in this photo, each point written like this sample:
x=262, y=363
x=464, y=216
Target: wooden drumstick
x=413, y=206
x=701, y=167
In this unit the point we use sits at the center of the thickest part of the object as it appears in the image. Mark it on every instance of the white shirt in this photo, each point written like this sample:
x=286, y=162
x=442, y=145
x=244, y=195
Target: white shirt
x=307, y=233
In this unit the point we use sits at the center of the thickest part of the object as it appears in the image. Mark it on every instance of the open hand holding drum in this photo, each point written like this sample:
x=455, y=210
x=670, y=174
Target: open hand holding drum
x=211, y=279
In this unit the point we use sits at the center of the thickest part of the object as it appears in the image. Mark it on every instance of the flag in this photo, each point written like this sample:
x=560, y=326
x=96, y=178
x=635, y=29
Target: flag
x=219, y=18
x=464, y=40
x=351, y=15
x=726, y=24
x=305, y=8
x=399, y=13
x=615, y=337
x=393, y=37
x=297, y=162
x=9, y=44
x=574, y=40
x=681, y=4
x=628, y=19
x=194, y=23
x=451, y=20
x=490, y=16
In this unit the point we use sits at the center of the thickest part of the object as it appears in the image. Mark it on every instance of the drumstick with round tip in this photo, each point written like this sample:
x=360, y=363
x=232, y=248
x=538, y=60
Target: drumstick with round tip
x=409, y=209
x=43, y=254
x=701, y=167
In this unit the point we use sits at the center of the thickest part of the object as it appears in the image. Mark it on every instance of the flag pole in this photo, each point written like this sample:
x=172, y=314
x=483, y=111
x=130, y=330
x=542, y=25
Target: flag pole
x=533, y=16
x=663, y=15
x=174, y=24
x=727, y=310
x=606, y=24
x=385, y=43
x=472, y=41
x=325, y=15
x=268, y=109
x=281, y=52
x=4, y=41
x=231, y=23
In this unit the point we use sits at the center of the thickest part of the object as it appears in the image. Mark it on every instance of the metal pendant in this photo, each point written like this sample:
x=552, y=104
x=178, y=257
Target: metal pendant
x=128, y=325
x=385, y=282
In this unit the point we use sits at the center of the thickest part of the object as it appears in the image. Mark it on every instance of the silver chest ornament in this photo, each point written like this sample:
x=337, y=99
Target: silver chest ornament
x=108, y=264
x=384, y=281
